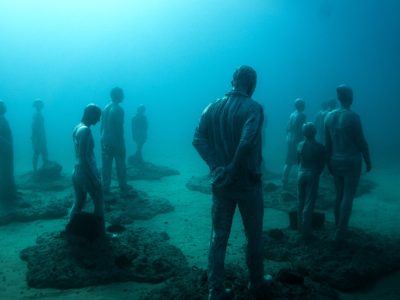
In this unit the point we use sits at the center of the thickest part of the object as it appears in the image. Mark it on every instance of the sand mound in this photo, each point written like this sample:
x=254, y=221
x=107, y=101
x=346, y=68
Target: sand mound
x=147, y=170
x=31, y=206
x=362, y=259
x=60, y=261
x=194, y=286
x=286, y=199
x=137, y=205
x=47, y=178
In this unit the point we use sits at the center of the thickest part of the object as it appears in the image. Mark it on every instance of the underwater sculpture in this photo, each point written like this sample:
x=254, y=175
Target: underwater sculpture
x=286, y=199
x=345, y=144
x=293, y=138
x=86, y=177
x=138, y=169
x=326, y=107
x=113, y=143
x=8, y=191
x=311, y=159
x=228, y=138
x=320, y=122
x=139, y=127
x=50, y=171
x=38, y=136
x=331, y=105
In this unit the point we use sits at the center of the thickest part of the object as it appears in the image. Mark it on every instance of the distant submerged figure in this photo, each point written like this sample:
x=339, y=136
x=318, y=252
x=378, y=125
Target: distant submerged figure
x=294, y=136
x=331, y=105
x=8, y=192
x=345, y=145
x=38, y=136
x=320, y=122
x=139, y=132
x=311, y=159
x=326, y=107
x=113, y=142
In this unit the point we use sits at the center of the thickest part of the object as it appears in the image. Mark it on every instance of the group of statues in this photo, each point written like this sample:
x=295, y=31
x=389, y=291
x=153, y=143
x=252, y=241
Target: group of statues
x=8, y=191
x=229, y=139
x=86, y=177
x=336, y=140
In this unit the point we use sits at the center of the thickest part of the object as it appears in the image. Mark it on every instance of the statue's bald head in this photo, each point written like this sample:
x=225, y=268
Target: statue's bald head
x=38, y=104
x=309, y=130
x=345, y=95
x=91, y=114
x=244, y=80
x=117, y=95
x=300, y=104
x=141, y=109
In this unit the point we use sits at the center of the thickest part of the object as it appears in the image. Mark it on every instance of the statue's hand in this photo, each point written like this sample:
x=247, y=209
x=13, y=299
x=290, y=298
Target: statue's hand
x=222, y=176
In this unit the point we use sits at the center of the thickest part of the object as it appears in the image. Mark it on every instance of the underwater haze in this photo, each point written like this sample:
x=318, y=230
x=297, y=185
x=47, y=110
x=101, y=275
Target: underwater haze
x=177, y=56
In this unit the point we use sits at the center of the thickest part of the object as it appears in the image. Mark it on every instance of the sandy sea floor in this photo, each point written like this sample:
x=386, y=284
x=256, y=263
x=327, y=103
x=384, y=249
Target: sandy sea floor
x=189, y=229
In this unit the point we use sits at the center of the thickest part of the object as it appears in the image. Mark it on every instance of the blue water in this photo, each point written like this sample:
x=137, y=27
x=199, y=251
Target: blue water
x=177, y=56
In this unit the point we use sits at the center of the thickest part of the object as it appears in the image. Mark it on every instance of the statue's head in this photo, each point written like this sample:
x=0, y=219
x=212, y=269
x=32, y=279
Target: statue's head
x=244, y=80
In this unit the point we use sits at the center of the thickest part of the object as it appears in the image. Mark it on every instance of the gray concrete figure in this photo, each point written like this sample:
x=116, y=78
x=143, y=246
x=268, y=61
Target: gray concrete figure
x=320, y=122
x=139, y=126
x=8, y=192
x=311, y=157
x=294, y=136
x=345, y=145
x=331, y=105
x=86, y=177
x=326, y=108
x=228, y=138
x=38, y=135
x=113, y=142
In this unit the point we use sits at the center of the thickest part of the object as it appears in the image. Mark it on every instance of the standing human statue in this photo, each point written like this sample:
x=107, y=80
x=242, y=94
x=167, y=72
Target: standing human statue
x=326, y=108
x=139, y=127
x=228, y=138
x=38, y=136
x=345, y=146
x=113, y=142
x=311, y=158
x=331, y=105
x=8, y=191
x=294, y=136
x=86, y=177
x=320, y=122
